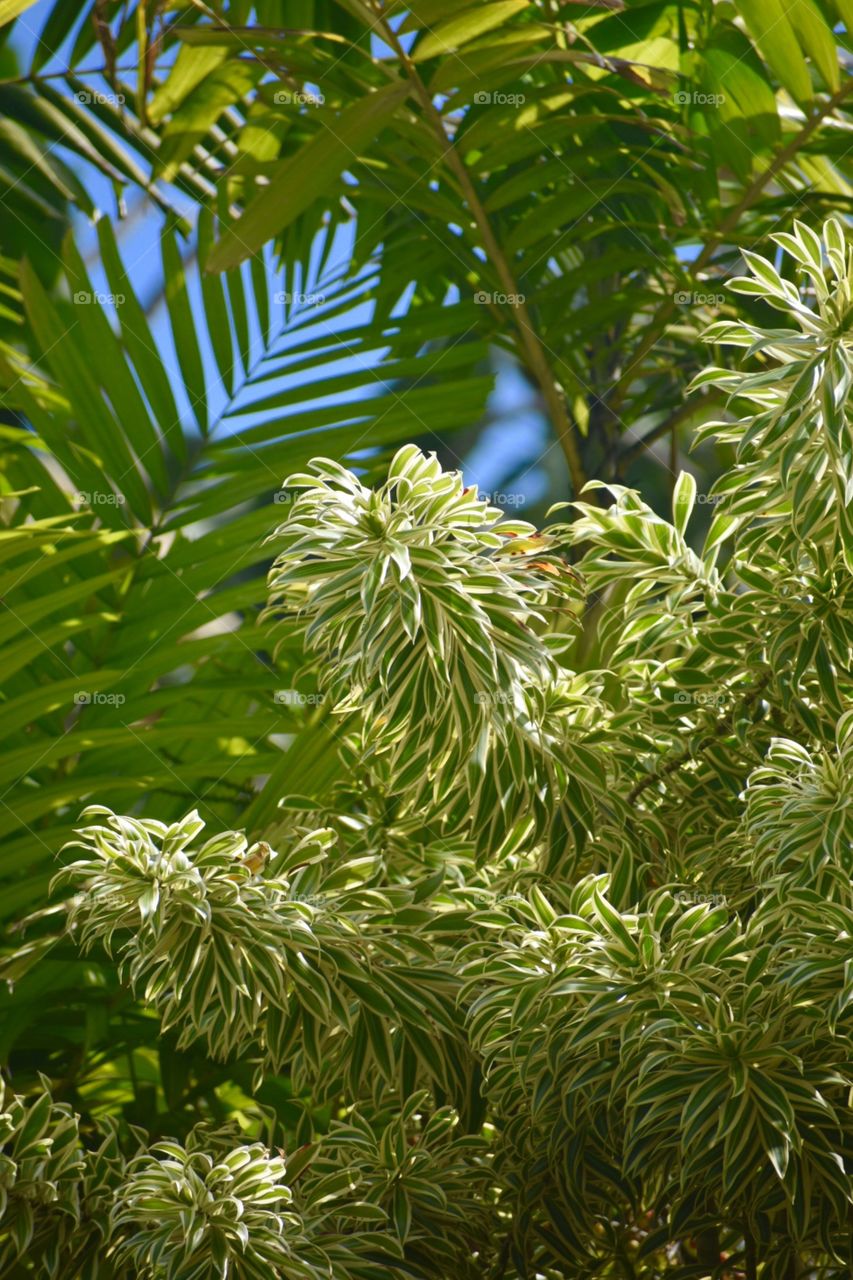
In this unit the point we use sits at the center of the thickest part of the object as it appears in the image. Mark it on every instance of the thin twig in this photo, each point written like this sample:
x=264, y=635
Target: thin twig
x=687, y=410
x=35, y=79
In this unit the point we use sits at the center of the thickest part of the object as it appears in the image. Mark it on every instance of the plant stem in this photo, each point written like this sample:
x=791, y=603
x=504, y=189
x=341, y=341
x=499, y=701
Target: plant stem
x=537, y=361
x=691, y=408
x=722, y=727
x=36, y=79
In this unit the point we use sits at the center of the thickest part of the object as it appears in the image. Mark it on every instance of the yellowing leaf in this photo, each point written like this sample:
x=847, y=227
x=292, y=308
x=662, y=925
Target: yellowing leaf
x=454, y=33
x=192, y=65
x=10, y=9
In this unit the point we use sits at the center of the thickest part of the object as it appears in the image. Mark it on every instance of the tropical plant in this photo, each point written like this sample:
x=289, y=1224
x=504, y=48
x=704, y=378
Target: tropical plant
x=591, y=1046
x=572, y=175
x=473, y=899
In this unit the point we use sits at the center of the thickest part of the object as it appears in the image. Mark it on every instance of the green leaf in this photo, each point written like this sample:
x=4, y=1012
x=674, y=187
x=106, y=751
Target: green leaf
x=817, y=39
x=683, y=498
x=192, y=66
x=307, y=175
x=768, y=24
x=192, y=120
x=184, y=328
x=455, y=32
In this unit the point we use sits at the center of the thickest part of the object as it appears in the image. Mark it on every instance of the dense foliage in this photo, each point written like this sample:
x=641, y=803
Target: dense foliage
x=395, y=887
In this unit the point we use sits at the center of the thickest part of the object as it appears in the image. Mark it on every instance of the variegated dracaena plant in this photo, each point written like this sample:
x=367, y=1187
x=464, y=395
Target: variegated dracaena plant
x=564, y=945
